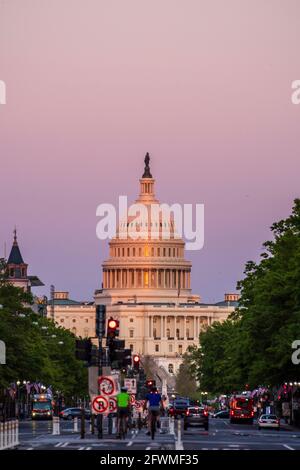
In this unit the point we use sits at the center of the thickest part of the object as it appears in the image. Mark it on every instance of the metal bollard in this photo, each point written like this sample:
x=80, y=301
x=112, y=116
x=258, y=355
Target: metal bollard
x=114, y=427
x=1, y=436
x=55, y=422
x=75, y=427
x=82, y=426
x=178, y=443
x=110, y=424
x=5, y=435
x=100, y=426
x=92, y=424
x=172, y=425
x=17, y=432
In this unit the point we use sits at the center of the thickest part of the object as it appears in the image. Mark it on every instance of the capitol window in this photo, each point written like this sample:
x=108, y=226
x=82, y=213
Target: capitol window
x=131, y=320
x=171, y=369
x=133, y=251
x=170, y=347
x=62, y=320
x=157, y=348
x=131, y=333
x=74, y=320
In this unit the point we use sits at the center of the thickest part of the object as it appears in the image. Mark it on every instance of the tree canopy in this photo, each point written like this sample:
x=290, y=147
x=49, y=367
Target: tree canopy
x=36, y=349
x=254, y=346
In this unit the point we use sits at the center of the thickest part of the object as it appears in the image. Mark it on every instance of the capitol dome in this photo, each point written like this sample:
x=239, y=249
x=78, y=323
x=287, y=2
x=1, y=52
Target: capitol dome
x=146, y=257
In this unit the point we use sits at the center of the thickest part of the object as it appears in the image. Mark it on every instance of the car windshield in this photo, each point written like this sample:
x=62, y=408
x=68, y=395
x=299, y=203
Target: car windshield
x=42, y=405
x=181, y=403
x=242, y=404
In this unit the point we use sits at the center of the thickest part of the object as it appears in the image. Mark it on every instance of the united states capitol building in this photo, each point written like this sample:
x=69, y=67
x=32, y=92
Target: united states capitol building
x=147, y=287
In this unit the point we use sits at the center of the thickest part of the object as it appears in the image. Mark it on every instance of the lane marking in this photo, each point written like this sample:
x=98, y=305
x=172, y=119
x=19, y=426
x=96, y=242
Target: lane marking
x=288, y=447
x=148, y=448
x=129, y=443
x=58, y=444
x=81, y=448
x=29, y=448
x=88, y=448
x=65, y=444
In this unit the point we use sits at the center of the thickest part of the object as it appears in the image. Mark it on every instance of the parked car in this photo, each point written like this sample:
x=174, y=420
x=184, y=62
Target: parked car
x=269, y=421
x=196, y=415
x=71, y=413
x=223, y=414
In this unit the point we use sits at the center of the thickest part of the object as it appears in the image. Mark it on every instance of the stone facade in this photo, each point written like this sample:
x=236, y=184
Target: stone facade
x=147, y=287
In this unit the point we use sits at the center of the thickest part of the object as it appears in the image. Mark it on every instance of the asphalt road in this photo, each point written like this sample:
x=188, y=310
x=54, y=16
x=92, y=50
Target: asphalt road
x=221, y=436
x=225, y=436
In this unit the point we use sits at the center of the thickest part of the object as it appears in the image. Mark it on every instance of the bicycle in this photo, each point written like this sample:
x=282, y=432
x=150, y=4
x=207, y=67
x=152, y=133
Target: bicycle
x=153, y=423
x=123, y=426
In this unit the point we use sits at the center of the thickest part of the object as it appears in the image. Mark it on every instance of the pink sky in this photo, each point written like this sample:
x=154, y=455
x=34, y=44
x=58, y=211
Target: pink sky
x=204, y=86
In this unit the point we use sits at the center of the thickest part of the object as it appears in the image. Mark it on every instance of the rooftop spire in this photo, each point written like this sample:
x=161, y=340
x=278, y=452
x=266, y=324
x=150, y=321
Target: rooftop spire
x=147, y=173
x=15, y=256
x=15, y=236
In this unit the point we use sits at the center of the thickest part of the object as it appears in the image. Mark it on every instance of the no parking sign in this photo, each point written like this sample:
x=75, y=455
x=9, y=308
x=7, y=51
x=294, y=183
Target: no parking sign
x=99, y=404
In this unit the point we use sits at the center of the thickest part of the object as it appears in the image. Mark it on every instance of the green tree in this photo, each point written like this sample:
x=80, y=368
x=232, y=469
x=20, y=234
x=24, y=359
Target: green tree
x=254, y=345
x=37, y=350
x=186, y=384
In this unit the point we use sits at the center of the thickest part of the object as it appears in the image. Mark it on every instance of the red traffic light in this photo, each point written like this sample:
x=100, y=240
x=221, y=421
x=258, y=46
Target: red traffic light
x=136, y=358
x=150, y=383
x=112, y=324
x=112, y=328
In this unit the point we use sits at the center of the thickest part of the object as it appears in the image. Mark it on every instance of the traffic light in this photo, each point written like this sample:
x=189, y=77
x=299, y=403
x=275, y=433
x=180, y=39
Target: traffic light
x=112, y=328
x=100, y=320
x=150, y=383
x=127, y=358
x=86, y=351
x=136, y=362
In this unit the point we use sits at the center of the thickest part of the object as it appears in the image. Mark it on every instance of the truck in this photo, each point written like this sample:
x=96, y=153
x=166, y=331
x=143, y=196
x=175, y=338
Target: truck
x=241, y=409
x=42, y=406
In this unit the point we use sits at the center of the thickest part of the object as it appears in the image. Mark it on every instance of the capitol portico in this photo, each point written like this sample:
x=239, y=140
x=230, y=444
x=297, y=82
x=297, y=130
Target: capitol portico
x=147, y=286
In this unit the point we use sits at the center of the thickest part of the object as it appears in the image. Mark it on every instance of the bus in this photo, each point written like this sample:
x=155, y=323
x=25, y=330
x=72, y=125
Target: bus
x=42, y=406
x=241, y=409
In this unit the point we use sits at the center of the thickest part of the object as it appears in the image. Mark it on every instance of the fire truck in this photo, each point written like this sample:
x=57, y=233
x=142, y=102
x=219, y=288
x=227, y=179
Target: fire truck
x=42, y=406
x=241, y=409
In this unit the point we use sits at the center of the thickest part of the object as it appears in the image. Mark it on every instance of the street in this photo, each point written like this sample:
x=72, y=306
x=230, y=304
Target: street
x=37, y=435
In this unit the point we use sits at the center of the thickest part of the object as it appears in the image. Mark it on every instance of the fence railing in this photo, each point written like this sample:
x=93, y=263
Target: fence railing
x=9, y=434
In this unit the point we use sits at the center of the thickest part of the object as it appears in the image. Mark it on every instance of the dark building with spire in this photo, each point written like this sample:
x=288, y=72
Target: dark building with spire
x=17, y=269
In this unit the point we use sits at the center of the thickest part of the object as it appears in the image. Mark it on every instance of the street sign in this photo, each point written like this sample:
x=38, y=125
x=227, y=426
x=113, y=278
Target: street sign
x=130, y=384
x=112, y=404
x=132, y=399
x=99, y=404
x=107, y=385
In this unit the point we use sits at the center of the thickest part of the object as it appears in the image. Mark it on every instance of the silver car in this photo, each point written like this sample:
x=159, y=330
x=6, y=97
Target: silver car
x=269, y=421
